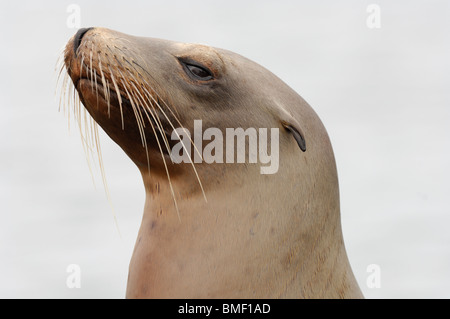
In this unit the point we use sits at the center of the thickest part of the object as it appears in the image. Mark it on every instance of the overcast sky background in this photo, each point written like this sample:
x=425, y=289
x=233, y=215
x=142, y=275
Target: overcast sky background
x=383, y=95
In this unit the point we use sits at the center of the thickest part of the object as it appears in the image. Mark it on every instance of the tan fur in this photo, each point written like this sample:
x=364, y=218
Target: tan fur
x=255, y=236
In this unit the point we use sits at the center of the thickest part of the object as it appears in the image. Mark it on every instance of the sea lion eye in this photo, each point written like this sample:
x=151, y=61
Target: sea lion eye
x=198, y=72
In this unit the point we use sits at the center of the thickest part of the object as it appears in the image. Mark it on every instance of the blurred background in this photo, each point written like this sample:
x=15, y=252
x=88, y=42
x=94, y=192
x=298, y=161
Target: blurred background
x=378, y=77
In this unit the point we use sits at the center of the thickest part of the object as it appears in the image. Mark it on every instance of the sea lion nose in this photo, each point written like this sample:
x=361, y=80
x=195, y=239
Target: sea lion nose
x=78, y=36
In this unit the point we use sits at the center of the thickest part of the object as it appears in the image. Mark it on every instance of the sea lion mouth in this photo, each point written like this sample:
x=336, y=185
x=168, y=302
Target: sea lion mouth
x=120, y=101
x=152, y=122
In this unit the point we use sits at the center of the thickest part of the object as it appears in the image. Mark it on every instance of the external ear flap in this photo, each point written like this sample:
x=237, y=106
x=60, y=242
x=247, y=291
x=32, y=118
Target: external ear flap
x=297, y=135
x=291, y=125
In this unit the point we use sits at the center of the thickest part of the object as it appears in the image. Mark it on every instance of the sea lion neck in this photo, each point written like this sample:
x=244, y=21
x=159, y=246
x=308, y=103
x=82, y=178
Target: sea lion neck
x=205, y=249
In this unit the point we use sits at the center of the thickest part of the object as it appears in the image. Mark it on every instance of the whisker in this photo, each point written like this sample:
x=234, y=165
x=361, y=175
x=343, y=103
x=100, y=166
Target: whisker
x=119, y=96
x=139, y=121
x=96, y=86
x=104, y=85
x=90, y=66
x=102, y=170
x=63, y=93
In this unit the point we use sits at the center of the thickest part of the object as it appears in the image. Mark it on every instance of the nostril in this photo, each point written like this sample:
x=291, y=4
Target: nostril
x=78, y=37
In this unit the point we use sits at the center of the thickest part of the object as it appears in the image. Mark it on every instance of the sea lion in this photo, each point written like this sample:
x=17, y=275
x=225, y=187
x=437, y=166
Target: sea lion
x=216, y=230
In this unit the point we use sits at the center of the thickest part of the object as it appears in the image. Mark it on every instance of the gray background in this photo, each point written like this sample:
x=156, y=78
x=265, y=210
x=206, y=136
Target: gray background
x=383, y=95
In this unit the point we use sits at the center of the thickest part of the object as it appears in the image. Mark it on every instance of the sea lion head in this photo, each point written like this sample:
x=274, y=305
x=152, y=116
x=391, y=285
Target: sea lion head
x=140, y=89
